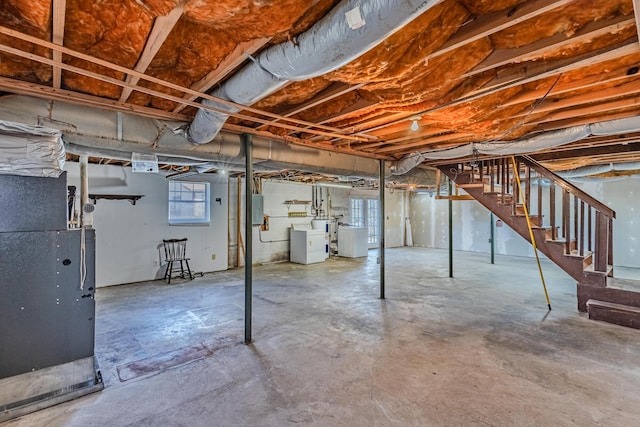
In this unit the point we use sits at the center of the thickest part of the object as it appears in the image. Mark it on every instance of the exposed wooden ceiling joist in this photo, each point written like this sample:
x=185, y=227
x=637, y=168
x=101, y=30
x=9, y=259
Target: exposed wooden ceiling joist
x=612, y=76
x=59, y=13
x=307, y=126
x=471, y=74
x=632, y=147
x=46, y=92
x=161, y=29
x=487, y=25
x=559, y=41
x=230, y=63
x=563, y=124
x=332, y=92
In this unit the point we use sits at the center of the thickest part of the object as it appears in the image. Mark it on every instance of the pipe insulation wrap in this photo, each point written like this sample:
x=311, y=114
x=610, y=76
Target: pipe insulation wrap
x=598, y=169
x=30, y=150
x=527, y=145
x=406, y=164
x=616, y=127
x=328, y=45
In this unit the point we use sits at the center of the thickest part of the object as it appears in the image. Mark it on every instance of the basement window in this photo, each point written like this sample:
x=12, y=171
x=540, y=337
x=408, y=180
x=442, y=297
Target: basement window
x=188, y=203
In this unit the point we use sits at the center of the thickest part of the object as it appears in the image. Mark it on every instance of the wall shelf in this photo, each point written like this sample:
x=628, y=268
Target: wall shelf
x=297, y=202
x=132, y=198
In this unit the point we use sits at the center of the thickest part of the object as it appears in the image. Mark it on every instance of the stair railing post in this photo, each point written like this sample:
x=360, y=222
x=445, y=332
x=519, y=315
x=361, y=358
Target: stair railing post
x=566, y=229
x=552, y=211
x=610, y=248
x=602, y=242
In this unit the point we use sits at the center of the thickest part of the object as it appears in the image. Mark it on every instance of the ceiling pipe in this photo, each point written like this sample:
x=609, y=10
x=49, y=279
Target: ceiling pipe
x=349, y=30
x=227, y=153
x=522, y=146
x=587, y=171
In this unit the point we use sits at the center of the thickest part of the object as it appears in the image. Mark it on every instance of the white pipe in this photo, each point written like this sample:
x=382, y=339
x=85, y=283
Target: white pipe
x=86, y=218
x=523, y=146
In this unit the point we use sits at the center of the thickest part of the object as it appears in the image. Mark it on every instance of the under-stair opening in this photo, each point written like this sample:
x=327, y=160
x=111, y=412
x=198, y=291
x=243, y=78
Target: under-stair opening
x=573, y=229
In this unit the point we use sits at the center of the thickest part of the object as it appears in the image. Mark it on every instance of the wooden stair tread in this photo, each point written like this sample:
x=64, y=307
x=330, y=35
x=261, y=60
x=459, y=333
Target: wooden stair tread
x=627, y=284
x=471, y=185
x=591, y=269
x=613, y=305
x=611, y=312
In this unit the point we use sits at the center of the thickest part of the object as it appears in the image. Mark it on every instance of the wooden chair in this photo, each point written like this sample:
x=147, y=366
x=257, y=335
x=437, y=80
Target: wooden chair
x=175, y=251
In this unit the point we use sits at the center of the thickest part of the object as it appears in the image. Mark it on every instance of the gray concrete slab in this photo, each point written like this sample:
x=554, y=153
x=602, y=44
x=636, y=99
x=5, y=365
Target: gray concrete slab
x=478, y=349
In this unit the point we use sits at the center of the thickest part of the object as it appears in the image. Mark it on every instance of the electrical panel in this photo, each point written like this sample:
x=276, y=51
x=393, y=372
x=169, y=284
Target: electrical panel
x=257, y=212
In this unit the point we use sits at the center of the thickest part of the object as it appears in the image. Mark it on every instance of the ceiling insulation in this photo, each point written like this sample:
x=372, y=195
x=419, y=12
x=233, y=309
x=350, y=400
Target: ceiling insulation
x=466, y=71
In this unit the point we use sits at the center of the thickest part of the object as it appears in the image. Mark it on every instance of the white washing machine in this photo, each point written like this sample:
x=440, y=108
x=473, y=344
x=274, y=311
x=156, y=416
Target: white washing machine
x=308, y=246
x=353, y=242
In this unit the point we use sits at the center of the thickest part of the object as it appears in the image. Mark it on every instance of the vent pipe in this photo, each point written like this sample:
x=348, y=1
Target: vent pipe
x=349, y=30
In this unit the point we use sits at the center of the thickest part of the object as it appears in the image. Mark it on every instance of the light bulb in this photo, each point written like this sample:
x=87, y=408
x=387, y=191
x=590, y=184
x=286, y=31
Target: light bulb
x=414, y=125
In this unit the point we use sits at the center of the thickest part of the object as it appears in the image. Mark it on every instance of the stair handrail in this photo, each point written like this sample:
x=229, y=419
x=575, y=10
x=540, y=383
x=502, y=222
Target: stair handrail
x=567, y=186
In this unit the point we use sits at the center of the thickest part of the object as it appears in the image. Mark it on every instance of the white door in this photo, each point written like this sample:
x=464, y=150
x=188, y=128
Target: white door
x=364, y=213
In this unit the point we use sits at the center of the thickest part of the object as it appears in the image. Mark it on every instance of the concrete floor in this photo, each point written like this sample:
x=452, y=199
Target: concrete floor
x=478, y=349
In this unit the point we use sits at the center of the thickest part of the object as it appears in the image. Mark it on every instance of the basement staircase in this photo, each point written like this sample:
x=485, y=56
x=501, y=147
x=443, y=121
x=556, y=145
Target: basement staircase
x=570, y=227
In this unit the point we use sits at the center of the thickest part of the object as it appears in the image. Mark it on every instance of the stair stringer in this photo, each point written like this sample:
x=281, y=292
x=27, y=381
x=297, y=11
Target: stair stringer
x=571, y=264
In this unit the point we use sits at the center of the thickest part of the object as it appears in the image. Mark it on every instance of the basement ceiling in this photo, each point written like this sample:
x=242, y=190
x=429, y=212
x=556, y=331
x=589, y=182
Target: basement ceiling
x=459, y=71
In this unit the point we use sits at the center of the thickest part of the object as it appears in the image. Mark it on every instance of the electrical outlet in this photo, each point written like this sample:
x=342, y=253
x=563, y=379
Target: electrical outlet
x=213, y=256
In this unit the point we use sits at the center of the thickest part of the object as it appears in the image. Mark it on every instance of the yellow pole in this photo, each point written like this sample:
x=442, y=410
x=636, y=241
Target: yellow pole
x=516, y=173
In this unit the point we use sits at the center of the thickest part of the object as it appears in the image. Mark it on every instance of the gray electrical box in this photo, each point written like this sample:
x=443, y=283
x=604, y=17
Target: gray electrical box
x=257, y=213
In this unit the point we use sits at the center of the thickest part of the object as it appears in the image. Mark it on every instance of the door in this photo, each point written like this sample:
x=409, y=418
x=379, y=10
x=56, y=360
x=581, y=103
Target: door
x=364, y=213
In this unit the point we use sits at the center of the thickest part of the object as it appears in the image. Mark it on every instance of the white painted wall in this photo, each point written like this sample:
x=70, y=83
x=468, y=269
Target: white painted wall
x=128, y=237
x=273, y=245
x=471, y=222
x=471, y=227
x=395, y=215
x=623, y=196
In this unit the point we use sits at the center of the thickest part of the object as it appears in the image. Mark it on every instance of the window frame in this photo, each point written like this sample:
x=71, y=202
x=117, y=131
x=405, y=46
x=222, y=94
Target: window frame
x=205, y=218
x=362, y=205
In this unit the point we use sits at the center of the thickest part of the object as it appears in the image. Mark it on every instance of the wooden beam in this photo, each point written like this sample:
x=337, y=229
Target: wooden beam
x=333, y=91
x=228, y=64
x=339, y=133
x=428, y=132
x=627, y=48
x=597, y=108
x=469, y=33
x=305, y=142
x=569, y=153
x=624, y=90
x=423, y=142
x=47, y=92
x=168, y=97
x=498, y=21
x=57, y=37
x=536, y=50
x=636, y=13
x=522, y=75
x=162, y=27
x=482, y=27
x=613, y=76
x=562, y=124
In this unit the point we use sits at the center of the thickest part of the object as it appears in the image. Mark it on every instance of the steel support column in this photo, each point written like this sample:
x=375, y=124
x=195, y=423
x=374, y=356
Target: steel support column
x=381, y=228
x=248, y=233
x=491, y=239
x=450, y=229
